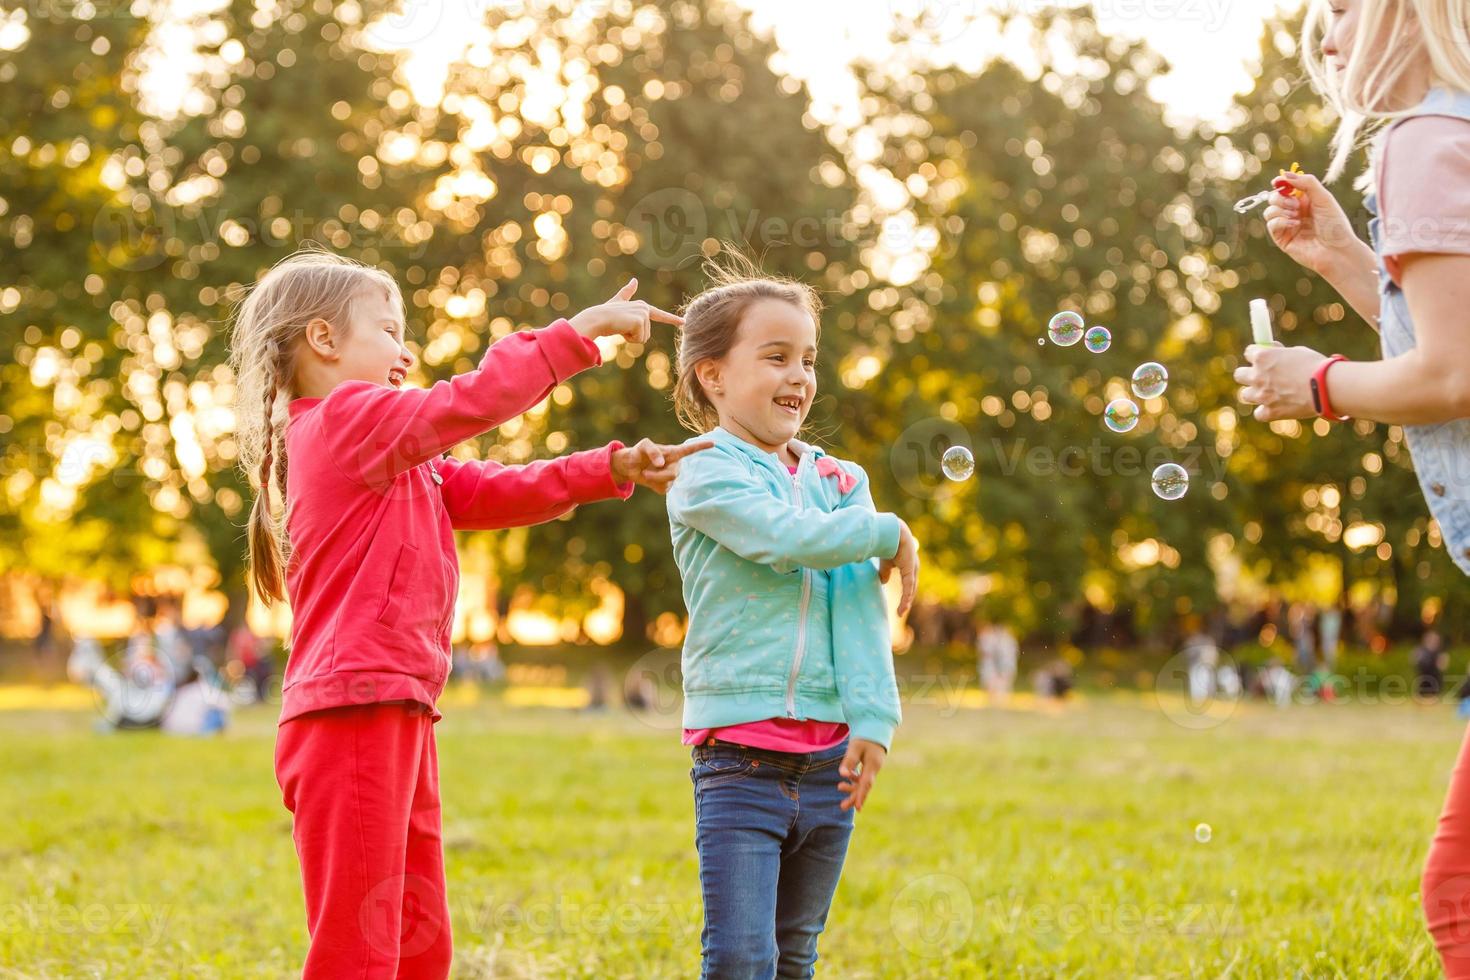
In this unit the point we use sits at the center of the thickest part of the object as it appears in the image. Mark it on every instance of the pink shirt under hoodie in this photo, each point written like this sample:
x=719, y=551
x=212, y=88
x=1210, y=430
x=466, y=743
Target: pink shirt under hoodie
x=373, y=503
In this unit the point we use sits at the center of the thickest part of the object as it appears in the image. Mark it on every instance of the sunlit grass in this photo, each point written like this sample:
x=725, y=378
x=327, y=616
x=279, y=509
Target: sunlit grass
x=999, y=842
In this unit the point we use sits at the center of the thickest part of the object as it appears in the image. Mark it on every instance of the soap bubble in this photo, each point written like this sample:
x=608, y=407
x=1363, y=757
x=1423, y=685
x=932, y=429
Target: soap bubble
x=1098, y=339
x=957, y=463
x=1150, y=379
x=1065, y=329
x=1203, y=833
x=917, y=457
x=1121, y=415
x=1171, y=481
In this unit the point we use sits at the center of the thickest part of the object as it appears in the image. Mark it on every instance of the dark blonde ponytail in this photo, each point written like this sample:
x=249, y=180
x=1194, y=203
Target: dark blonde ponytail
x=268, y=326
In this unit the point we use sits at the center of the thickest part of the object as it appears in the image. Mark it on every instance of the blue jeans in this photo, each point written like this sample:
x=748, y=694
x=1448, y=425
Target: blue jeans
x=771, y=839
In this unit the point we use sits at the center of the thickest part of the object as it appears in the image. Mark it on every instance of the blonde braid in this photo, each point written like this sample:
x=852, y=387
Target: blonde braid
x=269, y=325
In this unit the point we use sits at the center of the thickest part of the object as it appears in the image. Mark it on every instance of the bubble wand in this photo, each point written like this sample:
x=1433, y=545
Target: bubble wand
x=1247, y=204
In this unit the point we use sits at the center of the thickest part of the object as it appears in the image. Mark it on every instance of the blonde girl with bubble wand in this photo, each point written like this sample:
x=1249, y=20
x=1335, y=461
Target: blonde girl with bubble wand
x=790, y=701
x=365, y=553
x=1405, y=66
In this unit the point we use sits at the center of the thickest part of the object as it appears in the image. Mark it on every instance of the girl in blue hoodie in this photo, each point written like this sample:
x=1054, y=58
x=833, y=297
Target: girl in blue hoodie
x=789, y=696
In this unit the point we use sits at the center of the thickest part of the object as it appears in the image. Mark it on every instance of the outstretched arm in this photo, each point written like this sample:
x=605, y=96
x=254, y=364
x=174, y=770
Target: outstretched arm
x=717, y=496
x=1426, y=385
x=483, y=495
x=377, y=432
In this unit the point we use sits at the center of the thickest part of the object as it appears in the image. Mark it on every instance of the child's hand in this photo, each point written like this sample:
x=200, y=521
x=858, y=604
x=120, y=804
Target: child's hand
x=906, y=560
x=863, y=760
x=1307, y=223
x=653, y=465
x=622, y=316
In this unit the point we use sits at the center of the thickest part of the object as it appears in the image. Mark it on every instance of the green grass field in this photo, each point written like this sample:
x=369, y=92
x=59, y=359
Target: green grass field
x=997, y=843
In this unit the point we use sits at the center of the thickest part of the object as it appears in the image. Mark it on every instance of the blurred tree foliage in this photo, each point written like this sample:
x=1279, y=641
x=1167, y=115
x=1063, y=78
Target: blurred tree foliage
x=570, y=151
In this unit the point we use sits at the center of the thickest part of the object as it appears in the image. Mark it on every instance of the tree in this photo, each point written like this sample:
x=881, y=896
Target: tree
x=69, y=108
x=1067, y=192
x=640, y=141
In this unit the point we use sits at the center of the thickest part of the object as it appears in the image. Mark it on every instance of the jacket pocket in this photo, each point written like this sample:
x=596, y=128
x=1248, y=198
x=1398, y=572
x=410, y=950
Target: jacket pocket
x=396, y=597
x=749, y=650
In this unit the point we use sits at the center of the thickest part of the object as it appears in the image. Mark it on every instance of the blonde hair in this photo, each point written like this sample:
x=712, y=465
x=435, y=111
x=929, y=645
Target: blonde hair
x=712, y=322
x=1391, y=39
x=268, y=325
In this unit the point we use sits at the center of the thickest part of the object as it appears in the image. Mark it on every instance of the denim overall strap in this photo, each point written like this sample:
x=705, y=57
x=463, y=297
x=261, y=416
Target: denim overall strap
x=1441, y=452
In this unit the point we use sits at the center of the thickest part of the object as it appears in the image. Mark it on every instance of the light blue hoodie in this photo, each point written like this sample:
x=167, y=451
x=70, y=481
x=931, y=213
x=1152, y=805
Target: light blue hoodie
x=786, y=614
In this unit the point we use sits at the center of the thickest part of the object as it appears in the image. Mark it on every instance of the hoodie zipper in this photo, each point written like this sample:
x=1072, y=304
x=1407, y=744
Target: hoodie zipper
x=806, y=595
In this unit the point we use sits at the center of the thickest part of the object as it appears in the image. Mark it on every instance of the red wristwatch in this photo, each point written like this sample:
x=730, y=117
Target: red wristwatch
x=1320, y=401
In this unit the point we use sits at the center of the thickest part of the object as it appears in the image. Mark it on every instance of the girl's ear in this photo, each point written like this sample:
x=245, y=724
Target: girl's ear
x=321, y=339
x=707, y=373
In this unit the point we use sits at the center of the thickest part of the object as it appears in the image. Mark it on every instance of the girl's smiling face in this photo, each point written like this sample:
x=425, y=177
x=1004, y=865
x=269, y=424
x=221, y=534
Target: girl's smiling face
x=764, y=386
x=375, y=350
x=372, y=349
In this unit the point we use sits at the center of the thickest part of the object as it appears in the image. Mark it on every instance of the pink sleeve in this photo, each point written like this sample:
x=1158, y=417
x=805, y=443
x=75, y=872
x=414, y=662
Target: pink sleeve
x=1424, y=189
x=484, y=495
x=375, y=432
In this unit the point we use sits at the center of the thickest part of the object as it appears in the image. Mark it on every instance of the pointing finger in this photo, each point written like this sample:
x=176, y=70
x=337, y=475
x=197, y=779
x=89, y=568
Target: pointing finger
x=689, y=448
x=664, y=316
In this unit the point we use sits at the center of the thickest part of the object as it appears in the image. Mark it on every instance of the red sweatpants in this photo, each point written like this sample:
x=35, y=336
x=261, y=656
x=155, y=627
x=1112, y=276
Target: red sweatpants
x=362, y=785
x=1445, y=888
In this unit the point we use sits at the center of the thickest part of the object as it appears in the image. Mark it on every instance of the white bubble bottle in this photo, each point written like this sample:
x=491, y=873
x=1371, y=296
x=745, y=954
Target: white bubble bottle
x=1261, y=324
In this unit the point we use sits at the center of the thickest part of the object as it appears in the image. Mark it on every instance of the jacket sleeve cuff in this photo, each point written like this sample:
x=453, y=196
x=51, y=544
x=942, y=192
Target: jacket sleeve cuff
x=589, y=476
x=885, y=536
x=566, y=351
x=872, y=730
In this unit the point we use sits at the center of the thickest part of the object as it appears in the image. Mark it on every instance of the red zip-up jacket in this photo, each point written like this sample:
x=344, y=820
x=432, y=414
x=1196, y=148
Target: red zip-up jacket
x=373, y=573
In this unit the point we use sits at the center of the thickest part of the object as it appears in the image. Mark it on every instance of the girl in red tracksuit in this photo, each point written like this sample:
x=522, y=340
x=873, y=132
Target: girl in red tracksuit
x=365, y=552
